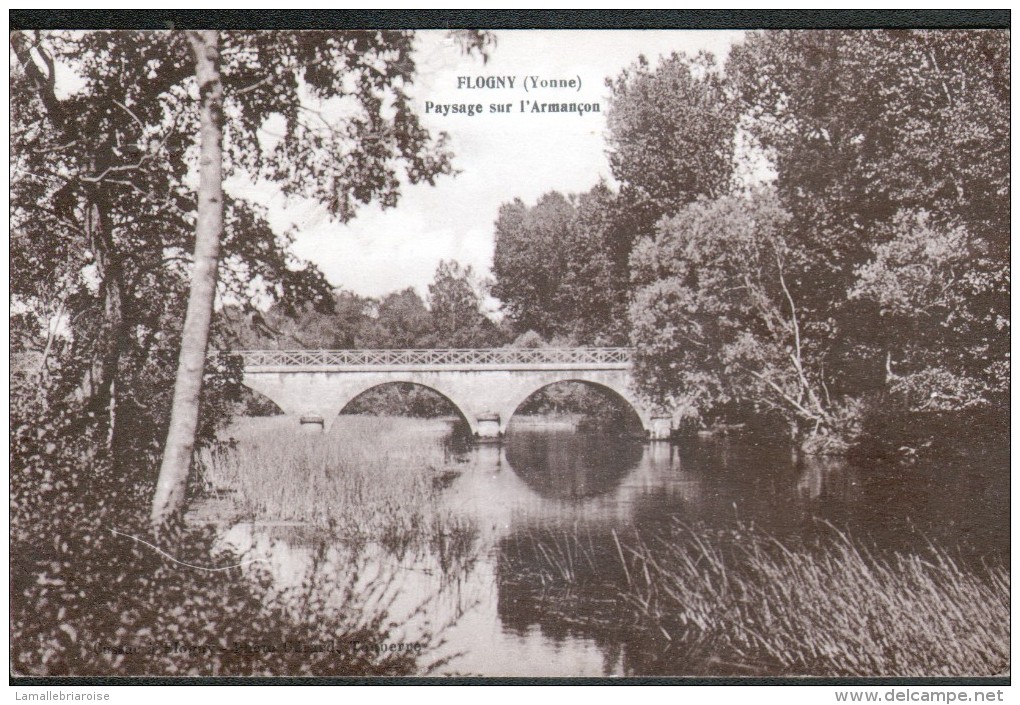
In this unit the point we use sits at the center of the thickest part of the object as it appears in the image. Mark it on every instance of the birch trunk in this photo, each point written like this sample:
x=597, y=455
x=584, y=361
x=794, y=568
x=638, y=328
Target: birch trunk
x=180, y=443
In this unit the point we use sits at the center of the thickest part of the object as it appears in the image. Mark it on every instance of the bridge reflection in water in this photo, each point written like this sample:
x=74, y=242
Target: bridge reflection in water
x=486, y=385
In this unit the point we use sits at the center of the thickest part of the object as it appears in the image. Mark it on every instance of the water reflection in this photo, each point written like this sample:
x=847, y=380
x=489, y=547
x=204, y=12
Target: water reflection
x=528, y=496
x=571, y=466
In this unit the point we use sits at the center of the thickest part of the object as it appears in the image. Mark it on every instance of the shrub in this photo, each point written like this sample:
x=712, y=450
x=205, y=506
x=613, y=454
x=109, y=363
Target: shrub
x=86, y=601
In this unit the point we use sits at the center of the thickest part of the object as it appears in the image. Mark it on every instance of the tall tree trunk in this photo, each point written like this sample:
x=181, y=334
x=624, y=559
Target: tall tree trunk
x=96, y=388
x=180, y=442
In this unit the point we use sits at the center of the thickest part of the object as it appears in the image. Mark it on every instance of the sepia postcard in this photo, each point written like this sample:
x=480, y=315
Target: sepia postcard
x=426, y=353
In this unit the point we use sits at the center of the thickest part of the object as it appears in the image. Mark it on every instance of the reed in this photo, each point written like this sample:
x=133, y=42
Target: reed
x=368, y=479
x=741, y=602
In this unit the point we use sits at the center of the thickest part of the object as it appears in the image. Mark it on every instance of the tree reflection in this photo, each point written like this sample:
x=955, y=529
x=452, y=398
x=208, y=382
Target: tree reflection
x=571, y=466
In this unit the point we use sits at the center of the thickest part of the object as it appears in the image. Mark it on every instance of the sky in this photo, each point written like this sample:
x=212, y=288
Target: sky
x=499, y=156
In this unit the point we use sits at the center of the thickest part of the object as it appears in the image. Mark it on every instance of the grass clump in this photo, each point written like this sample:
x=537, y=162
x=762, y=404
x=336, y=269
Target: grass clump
x=742, y=603
x=368, y=479
x=832, y=610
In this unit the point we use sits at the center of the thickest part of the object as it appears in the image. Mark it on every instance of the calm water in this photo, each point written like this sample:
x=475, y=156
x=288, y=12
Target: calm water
x=545, y=484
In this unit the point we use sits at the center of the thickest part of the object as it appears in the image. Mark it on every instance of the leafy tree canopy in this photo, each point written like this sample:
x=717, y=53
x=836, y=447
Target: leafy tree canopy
x=102, y=205
x=671, y=134
x=562, y=266
x=878, y=267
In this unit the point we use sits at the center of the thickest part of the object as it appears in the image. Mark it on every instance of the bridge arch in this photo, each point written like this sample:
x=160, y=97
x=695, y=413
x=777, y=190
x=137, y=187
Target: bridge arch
x=617, y=391
x=327, y=395
x=458, y=408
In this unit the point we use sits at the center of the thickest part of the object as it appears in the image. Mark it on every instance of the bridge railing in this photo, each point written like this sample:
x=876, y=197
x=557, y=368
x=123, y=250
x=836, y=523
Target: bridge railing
x=434, y=357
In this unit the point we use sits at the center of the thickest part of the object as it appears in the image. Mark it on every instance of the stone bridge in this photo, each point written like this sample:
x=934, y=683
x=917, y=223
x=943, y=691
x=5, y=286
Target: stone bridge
x=486, y=385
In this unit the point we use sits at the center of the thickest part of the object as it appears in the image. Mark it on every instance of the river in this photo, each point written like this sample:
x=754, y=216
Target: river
x=551, y=483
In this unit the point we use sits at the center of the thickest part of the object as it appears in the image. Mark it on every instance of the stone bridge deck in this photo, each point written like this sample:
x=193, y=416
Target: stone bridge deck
x=486, y=385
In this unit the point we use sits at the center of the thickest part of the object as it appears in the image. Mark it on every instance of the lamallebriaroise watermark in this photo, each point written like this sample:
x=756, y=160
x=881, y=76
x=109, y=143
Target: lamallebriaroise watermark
x=58, y=695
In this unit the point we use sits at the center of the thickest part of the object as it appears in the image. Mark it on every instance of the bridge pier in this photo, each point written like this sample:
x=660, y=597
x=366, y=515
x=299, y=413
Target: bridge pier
x=311, y=423
x=660, y=428
x=487, y=427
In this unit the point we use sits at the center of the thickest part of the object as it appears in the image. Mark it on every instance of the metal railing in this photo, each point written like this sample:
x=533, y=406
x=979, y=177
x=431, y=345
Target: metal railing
x=459, y=357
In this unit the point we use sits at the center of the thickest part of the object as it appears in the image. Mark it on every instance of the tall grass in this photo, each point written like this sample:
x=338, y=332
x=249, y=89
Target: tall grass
x=740, y=602
x=368, y=479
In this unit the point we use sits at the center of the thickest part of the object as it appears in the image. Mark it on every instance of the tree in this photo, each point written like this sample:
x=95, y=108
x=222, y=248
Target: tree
x=359, y=167
x=595, y=287
x=340, y=325
x=529, y=260
x=102, y=226
x=716, y=320
x=112, y=159
x=872, y=133
x=671, y=135
x=877, y=272
x=180, y=442
x=456, y=297
x=402, y=321
x=562, y=266
x=921, y=279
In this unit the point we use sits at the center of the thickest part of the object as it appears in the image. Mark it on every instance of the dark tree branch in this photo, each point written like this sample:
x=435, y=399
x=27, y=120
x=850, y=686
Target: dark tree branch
x=44, y=83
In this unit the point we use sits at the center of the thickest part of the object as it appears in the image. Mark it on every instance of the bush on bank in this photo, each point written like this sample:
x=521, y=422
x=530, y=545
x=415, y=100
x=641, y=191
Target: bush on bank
x=86, y=601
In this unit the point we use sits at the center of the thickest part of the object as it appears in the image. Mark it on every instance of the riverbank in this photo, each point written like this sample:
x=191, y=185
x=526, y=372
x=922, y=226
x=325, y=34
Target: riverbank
x=93, y=593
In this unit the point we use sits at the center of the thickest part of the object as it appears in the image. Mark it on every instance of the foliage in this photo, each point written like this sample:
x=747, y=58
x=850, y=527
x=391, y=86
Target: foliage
x=924, y=283
x=102, y=222
x=873, y=271
x=102, y=208
x=529, y=260
x=456, y=296
x=401, y=320
x=877, y=273
x=917, y=120
x=104, y=128
x=454, y=317
x=670, y=139
x=716, y=316
x=874, y=135
x=334, y=326
x=594, y=289
x=561, y=267
x=86, y=601
x=401, y=399
x=593, y=408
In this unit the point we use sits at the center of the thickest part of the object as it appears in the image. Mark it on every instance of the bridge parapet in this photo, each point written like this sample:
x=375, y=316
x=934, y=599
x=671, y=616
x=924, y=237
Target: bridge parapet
x=445, y=358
